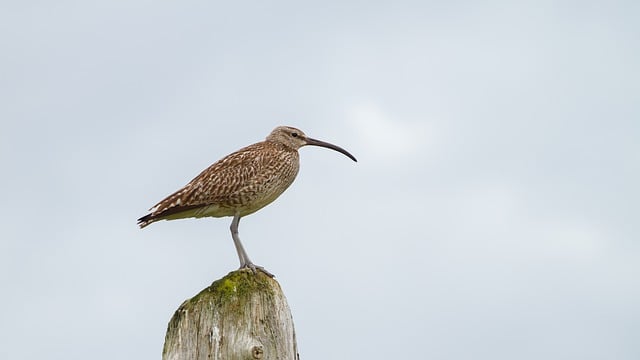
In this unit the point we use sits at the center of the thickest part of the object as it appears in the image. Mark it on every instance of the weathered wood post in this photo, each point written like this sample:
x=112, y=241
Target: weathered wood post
x=241, y=316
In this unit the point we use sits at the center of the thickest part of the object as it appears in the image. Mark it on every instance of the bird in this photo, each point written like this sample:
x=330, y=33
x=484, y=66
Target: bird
x=240, y=184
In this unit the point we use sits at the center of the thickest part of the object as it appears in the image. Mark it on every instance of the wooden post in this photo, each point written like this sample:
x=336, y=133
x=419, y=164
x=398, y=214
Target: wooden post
x=241, y=316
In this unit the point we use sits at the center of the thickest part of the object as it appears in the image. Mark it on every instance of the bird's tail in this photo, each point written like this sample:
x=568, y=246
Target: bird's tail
x=146, y=220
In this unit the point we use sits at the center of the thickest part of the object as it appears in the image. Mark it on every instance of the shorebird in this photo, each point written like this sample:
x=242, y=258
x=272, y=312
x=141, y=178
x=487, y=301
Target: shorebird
x=240, y=184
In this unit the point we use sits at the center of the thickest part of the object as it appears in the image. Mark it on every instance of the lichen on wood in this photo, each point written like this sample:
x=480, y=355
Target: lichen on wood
x=241, y=316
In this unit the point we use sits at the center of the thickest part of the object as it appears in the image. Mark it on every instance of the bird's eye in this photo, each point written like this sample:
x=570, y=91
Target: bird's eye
x=294, y=134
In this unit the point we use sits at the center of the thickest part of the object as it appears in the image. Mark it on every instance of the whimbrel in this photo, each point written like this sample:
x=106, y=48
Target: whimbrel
x=240, y=184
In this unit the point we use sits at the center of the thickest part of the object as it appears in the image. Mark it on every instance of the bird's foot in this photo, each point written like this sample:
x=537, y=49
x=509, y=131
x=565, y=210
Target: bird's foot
x=254, y=268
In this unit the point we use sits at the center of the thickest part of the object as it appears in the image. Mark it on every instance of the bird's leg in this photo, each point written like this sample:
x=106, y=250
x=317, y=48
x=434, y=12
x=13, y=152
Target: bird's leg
x=242, y=255
x=245, y=262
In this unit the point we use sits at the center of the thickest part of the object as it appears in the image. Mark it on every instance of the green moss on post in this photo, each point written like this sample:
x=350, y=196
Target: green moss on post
x=241, y=316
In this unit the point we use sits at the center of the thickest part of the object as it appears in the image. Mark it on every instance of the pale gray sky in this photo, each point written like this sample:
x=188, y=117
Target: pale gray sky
x=493, y=213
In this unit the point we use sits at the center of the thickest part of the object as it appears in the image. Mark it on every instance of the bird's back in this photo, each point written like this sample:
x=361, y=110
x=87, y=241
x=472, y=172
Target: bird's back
x=242, y=182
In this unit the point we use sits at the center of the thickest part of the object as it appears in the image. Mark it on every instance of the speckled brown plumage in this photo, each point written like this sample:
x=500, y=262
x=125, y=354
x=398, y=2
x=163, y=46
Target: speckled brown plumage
x=240, y=183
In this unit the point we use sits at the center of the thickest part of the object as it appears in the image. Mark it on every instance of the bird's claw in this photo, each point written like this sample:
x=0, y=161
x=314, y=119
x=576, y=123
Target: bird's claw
x=254, y=268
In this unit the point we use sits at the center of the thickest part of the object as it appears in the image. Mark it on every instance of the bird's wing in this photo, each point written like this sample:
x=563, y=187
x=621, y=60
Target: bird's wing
x=226, y=183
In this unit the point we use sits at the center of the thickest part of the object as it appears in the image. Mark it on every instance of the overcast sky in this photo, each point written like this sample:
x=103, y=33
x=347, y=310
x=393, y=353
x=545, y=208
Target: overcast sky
x=493, y=212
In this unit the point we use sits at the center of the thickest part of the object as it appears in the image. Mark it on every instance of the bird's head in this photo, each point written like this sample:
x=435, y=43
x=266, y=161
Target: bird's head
x=295, y=139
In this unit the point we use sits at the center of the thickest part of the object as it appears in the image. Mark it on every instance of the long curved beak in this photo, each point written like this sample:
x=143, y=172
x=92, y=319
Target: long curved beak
x=315, y=142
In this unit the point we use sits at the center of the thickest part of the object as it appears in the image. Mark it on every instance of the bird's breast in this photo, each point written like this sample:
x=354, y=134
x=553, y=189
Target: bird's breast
x=275, y=172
